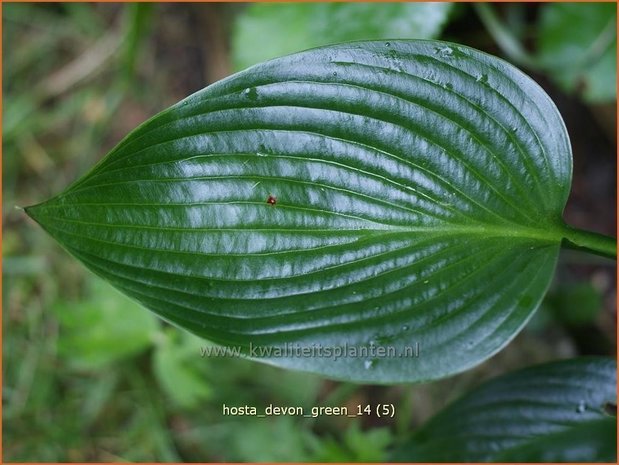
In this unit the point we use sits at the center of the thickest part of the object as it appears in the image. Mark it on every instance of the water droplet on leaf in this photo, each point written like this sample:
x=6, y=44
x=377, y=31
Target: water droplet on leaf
x=581, y=407
x=251, y=93
x=482, y=78
x=444, y=52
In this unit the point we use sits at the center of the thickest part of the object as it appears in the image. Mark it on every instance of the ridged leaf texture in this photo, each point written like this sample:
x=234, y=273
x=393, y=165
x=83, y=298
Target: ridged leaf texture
x=403, y=194
x=555, y=412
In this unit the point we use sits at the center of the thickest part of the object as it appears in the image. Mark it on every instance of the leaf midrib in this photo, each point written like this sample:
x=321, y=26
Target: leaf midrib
x=552, y=234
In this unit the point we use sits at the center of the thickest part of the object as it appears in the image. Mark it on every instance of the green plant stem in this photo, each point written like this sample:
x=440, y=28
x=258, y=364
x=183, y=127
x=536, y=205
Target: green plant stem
x=589, y=241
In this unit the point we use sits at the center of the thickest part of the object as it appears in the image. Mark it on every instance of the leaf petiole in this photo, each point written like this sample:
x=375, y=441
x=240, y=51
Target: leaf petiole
x=590, y=241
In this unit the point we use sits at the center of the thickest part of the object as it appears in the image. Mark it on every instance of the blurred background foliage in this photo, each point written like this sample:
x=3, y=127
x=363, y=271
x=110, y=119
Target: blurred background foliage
x=89, y=375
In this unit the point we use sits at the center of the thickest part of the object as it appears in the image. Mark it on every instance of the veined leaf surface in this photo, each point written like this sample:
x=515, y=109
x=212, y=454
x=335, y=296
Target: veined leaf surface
x=375, y=200
x=555, y=412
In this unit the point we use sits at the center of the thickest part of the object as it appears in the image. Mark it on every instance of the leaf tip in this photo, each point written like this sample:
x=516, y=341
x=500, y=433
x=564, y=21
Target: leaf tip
x=31, y=211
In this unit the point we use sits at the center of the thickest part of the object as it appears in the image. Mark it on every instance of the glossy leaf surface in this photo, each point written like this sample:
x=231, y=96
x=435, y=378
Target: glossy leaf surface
x=404, y=196
x=553, y=412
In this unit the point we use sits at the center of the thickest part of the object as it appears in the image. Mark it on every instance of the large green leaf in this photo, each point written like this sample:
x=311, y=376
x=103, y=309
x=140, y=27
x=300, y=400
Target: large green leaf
x=373, y=198
x=578, y=48
x=268, y=30
x=553, y=412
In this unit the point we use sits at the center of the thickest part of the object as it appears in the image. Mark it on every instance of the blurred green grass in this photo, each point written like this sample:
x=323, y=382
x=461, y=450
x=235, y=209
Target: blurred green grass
x=91, y=376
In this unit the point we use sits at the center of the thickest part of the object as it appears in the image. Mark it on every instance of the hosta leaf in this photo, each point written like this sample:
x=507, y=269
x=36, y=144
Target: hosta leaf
x=396, y=195
x=592, y=441
x=555, y=412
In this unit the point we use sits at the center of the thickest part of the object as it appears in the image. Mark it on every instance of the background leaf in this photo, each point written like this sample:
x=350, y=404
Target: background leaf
x=577, y=46
x=178, y=369
x=553, y=412
x=268, y=30
x=419, y=191
x=104, y=328
x=356, y=446
x=292, y=443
